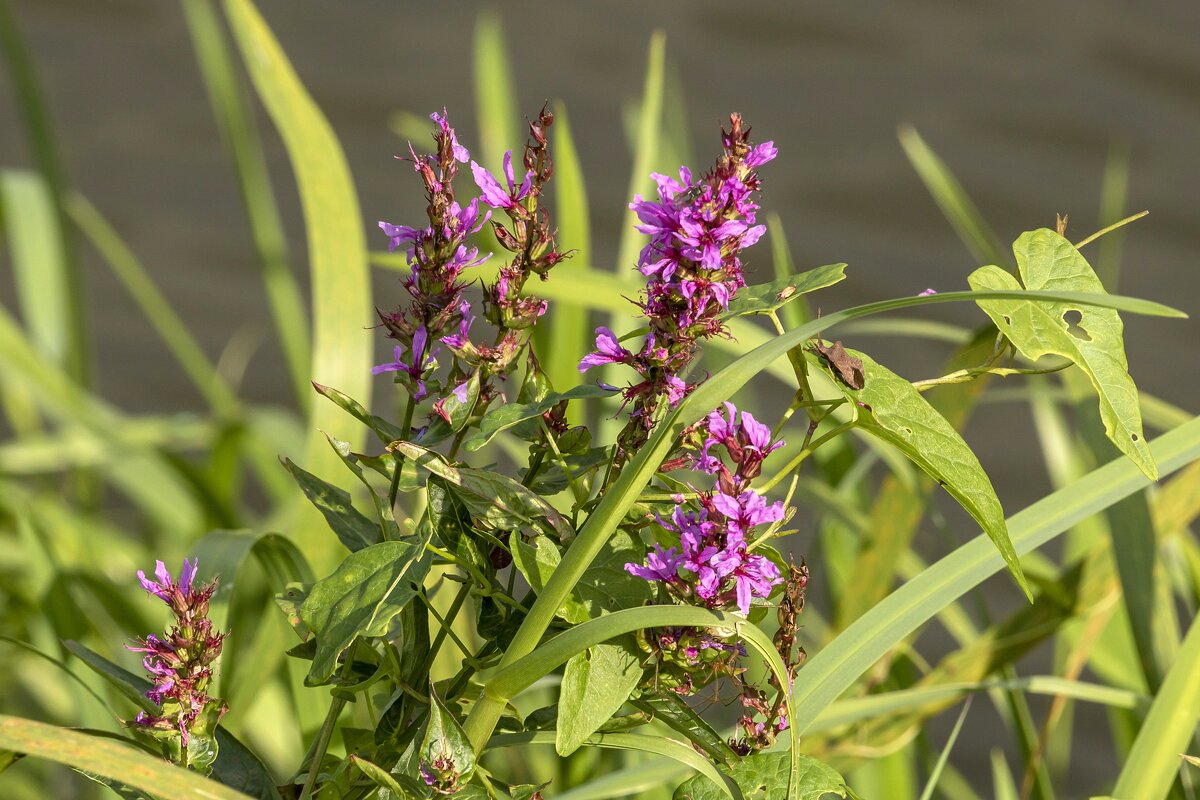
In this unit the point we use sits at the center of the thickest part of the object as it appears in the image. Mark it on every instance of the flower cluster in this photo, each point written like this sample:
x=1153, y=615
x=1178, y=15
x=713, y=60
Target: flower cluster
x=439, y=253
x=181, y=662
x=712, y=563
x=693, y=268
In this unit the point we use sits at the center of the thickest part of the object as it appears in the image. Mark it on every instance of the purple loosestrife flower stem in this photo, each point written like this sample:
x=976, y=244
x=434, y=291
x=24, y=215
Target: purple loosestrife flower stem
x=409, y=408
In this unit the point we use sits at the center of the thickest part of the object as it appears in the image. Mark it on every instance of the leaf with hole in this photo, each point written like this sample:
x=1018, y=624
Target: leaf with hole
x=595, y=684
x=1089, y=336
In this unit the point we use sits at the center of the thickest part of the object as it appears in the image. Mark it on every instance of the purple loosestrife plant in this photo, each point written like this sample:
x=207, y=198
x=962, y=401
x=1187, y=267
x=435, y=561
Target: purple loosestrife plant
x=693, y=268
x=180, y=665
x=713, y=565
x=439, y=253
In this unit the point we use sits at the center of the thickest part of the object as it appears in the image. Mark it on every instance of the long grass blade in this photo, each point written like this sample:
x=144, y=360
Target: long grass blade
x=341, y=290
x=169, y=326
x=835, y=668
x=936, y=773
x=240, y=134
x=1167, y=731
x=952, y=199
x=111, y=759
x=495, y=91
x=43, y=143
x=568, y=329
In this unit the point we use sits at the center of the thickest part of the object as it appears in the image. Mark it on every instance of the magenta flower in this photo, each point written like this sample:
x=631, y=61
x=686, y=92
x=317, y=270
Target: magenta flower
x=460, y=152
x=180, y=663
x=420, y=361
x=661, y=565
x=748, y=443
x=494, y=194
x=608, y=351
x=747, y=510
x=163, y=588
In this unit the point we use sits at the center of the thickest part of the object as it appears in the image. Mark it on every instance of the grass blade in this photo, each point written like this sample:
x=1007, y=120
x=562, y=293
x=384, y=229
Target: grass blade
x=341, y=290
x=945, y=755
x=495, y=92
x=952, y=199
x=649, y=130
x=568, y=329
x=38, y=260
x=1167, y=730
x=241, y=137
x=154, y=305
x=44, y=146
x=110, y=759
x=835, y=668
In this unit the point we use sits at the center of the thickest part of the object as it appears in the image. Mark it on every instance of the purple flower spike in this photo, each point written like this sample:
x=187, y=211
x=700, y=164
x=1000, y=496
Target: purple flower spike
x=608, y=351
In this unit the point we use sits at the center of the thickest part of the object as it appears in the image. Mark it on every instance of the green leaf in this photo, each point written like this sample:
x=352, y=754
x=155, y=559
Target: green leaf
x=451, y=524
x=764, y=298
x=353, y=529
x=605, y=587
x=1152, y=763
x=656, y=745
x=493, y=499
x=764, y=776
x=386, y=431
x=1049, y=262
x=340, y=280
x=672, y=710
x=892, y=409
x=382, y=778
x=595, y=685
x=109, y=759
x=360, y=598
x=445, y=740
x=459, y=411
x=132, y=687
x=507, y=416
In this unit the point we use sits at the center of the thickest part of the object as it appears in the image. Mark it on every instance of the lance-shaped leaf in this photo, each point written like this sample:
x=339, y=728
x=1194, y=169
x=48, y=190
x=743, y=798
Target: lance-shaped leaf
x=386, y=431
x=890, y=408
x=1048, y=262
x=671, y=709
x=353, y=529
x=764, y=298
x=764, y=776
x=360, y=598
x=492, y=499
x=508, y=416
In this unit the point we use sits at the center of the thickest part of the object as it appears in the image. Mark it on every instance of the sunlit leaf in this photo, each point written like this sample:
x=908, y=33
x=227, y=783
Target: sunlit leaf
x=1048, y=262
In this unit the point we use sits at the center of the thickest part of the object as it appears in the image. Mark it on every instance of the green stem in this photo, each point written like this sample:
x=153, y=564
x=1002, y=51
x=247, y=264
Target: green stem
x=405, y=429
x=803, y=454
x=326, y=733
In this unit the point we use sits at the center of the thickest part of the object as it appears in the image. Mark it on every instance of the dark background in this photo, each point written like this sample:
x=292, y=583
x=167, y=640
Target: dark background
x=1022, y=99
